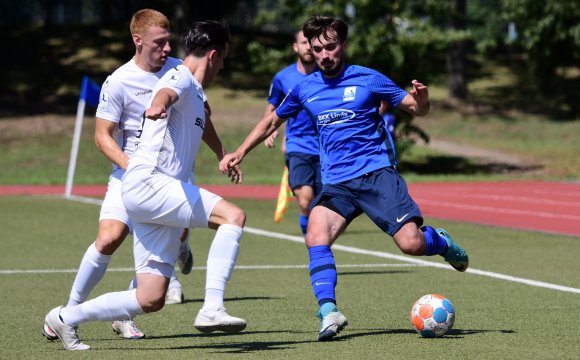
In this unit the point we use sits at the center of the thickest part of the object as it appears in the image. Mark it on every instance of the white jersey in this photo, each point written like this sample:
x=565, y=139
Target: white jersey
x=124, y=97
x=169, y=146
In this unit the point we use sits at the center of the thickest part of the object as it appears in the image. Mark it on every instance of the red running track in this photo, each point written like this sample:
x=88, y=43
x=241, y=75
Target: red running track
x=551, y=207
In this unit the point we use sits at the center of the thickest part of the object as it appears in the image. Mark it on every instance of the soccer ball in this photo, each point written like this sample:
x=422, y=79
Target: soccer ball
x=432, y=315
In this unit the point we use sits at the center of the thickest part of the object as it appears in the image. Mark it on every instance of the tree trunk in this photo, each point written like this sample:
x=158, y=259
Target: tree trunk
x=456, y=56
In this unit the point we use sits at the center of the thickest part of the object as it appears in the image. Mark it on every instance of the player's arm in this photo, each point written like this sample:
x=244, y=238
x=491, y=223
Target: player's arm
x=261, y=131
x=162, y=101
x=416, y=102
x=270, y=140
x=211, y=138
x=107, y=144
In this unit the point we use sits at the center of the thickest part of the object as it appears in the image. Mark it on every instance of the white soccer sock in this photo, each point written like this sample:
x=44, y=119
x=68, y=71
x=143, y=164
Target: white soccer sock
x=91, y=270
x=111, y=306
x=220, y=264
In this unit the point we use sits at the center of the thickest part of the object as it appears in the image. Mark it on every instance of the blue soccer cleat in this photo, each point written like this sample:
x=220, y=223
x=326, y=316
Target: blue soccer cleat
x=331, y=324
x=455, y=256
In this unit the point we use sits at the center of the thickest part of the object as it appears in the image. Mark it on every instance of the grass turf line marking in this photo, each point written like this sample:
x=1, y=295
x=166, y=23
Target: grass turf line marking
x=386, y=255
x=238, y=267
x=416, y=261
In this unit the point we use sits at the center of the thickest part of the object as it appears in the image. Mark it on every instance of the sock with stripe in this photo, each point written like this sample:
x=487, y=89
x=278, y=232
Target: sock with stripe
x=323, y=275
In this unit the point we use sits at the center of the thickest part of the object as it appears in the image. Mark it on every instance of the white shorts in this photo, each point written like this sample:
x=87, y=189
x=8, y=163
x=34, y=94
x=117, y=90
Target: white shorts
x=160, y=208
x=113, y=207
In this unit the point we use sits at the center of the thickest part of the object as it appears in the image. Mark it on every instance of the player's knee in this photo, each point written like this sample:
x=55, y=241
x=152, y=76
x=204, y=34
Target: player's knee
x=310, y=240
x=237, y=217
x=411, y=244
x=107, y=242
x=304, y=205
x=152, y=303
x=314, y=238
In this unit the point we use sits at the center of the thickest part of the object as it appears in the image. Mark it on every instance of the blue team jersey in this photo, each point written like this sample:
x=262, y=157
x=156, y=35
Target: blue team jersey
x=351, y=133
x=300, y=134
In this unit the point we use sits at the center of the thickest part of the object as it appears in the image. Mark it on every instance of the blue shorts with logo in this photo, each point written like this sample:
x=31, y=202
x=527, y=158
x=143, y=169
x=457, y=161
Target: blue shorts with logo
x=304, y=169
x=381, y=194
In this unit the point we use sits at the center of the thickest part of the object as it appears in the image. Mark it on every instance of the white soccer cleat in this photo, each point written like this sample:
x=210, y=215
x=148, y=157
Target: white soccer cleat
x=174, y=295
x=208, y=321
x=48, y=333
x=127, y=329
x=331, y=325
x=66, y=333
x=185, y=258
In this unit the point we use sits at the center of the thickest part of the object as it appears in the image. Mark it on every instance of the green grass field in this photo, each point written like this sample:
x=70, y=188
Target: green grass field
x=45, y=238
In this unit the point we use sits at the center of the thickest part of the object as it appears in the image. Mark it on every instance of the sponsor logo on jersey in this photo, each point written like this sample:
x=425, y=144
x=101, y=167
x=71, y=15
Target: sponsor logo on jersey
x=143, y=92
x=334, y=116
x=349, y=93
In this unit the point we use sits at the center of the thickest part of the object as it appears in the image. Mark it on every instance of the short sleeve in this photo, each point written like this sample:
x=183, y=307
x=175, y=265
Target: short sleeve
x=385, y=89
x=291, y=105
x=111, y=100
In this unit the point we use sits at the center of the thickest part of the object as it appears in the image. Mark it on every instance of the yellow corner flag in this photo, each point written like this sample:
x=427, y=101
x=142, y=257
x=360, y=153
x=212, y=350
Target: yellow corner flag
x=284, y=196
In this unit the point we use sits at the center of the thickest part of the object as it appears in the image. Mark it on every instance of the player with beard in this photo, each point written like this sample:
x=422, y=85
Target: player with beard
x=358, y=168
x=300, y=143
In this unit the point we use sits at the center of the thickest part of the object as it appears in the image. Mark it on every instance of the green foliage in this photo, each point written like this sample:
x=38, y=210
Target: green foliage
x=267, y=60
x=549, y=32
x=487, y=26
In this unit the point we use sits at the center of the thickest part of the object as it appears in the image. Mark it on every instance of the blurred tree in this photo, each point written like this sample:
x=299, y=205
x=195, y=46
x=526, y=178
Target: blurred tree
x=486, y=24
x=456, y=56
x=549, y=33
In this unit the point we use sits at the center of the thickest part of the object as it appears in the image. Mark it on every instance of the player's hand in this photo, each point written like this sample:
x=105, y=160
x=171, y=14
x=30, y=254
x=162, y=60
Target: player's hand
x=156, y=112
x=229, y=161
x=236, y=174
x=269, y=142
x=420, y=93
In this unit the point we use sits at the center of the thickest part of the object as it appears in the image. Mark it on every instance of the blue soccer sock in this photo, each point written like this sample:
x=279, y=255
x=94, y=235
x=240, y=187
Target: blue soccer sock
x=322, y=274
x=303, y=221
x=434, y=244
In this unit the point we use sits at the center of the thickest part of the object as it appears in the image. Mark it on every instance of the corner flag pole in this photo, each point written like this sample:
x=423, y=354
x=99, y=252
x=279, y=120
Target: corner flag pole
x=88, y=92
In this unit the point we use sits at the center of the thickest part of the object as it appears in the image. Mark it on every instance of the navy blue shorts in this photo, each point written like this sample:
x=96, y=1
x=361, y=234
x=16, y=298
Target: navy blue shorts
x=381, y=194
x=304, y=169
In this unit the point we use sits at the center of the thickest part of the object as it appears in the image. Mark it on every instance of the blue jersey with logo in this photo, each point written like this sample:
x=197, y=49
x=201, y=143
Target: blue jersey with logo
x=300, y=135
x=351, y=132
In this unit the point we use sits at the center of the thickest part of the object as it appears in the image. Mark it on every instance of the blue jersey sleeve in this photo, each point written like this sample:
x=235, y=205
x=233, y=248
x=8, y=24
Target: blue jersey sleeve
x=291, y=105
x=384, y=88
x=277, y=92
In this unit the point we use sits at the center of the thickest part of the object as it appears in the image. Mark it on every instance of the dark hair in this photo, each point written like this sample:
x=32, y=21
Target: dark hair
x=325, y=26
x=205, y=36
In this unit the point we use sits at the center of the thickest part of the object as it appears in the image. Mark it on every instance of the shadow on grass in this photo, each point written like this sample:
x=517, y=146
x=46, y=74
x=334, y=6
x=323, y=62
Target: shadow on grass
x=452, y=334
x=390, y=272
x=255, y=346
x=245, y=298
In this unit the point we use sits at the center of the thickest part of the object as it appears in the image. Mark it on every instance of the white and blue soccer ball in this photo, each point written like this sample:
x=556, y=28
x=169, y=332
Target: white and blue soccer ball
x=432, y=315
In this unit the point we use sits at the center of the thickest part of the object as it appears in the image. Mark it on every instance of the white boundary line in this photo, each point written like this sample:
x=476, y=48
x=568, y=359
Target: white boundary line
x=386, y=255
x=417, y=261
